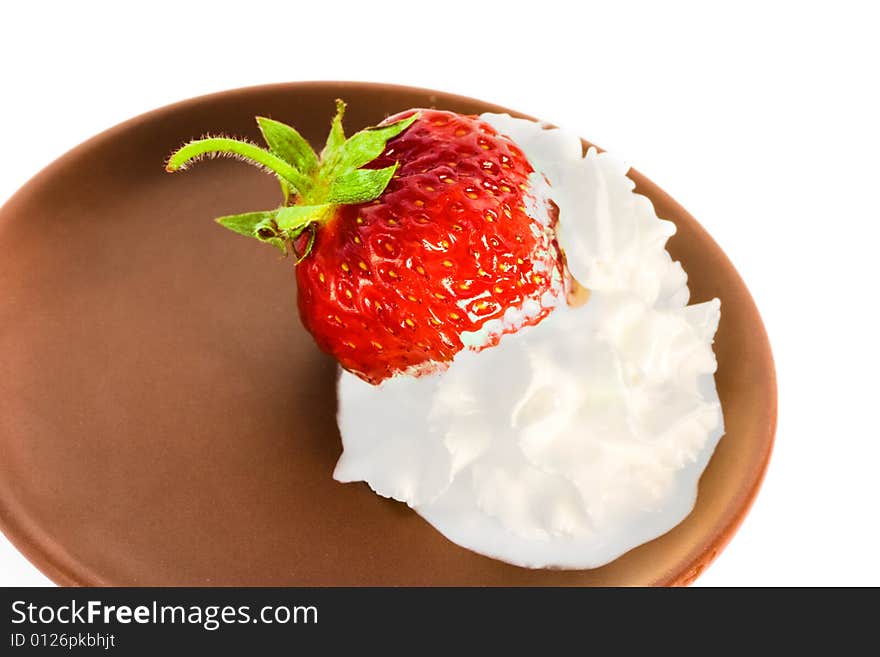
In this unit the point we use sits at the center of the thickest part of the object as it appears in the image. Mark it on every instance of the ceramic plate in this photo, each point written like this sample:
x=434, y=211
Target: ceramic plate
x=165, y=420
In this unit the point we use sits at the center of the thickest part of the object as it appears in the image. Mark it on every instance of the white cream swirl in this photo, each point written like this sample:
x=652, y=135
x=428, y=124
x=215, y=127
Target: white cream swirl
x=573, y=441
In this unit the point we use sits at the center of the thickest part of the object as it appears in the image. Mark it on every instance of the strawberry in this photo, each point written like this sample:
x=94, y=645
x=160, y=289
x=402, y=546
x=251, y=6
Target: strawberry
x=413, y=239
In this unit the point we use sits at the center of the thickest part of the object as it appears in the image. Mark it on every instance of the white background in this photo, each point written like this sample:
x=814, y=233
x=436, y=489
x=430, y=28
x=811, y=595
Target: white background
x=761, y=119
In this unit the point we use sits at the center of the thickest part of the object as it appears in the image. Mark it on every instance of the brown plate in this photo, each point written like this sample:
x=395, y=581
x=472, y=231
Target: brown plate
x=165, y=420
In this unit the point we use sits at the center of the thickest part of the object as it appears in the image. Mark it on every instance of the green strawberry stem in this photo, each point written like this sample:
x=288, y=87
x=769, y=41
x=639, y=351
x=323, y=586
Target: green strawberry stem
x=234, y=147
x=312, y=186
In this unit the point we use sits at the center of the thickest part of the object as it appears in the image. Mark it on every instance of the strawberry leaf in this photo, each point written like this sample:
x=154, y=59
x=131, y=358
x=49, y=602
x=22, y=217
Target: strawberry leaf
x=292, y=220
x=360, y=185
x=337, y=135
x=366, y=145
x=244, y=224
x=258, y=225
x=277, y=242
x=285, y=142
x=311, y=187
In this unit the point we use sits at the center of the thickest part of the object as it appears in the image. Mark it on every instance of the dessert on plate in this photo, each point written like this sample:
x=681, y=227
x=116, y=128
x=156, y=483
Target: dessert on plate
x=519, y=362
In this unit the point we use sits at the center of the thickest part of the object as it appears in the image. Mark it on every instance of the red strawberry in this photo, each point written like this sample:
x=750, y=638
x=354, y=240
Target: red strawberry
x=414, y=237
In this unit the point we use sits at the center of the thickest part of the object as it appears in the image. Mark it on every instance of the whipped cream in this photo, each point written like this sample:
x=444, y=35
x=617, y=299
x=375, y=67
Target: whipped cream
x=575, y=440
